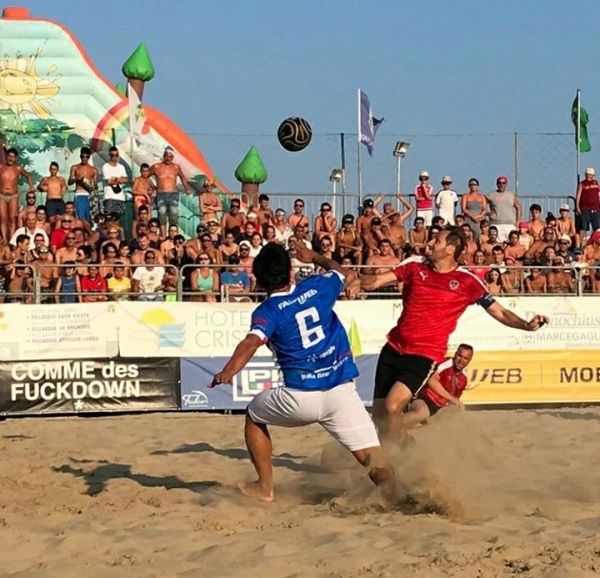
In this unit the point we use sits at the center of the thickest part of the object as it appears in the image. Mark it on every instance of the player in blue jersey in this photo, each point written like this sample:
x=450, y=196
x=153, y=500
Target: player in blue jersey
x=312, y=349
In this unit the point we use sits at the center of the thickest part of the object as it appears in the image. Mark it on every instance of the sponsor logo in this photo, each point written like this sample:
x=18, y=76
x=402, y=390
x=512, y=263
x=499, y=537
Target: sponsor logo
x=257, y=376
x=423, y=275
x=158, y=328
x=580, y=375
x=454, y=284
x=495, y=376
x=195, y=399
x=301, y=299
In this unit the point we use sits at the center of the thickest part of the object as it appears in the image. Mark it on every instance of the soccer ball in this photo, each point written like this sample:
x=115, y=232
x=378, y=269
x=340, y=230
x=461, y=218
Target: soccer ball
x=294, y=134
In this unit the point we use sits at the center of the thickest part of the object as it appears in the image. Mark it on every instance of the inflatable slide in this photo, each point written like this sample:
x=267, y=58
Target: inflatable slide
x=53, y=101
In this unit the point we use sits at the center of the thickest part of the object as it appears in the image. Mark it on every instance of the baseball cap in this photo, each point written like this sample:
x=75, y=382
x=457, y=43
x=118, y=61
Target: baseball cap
x=245, y=244
x=565, y=238
x=375, y=221
x=446, y=179
x=578, y=251
x=234, y=260
x=523, y=225
x=347, y=219
x=252, y=215
x=590, y=171
x=564, y=207
x=424, y=174
x=502, y=179
x=368, y=203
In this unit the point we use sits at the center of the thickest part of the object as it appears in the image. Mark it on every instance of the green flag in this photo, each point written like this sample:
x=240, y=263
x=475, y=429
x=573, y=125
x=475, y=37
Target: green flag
x=581, y=132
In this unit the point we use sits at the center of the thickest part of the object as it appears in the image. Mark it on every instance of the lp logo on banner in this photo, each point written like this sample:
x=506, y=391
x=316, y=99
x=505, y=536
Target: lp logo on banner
x=254, y=378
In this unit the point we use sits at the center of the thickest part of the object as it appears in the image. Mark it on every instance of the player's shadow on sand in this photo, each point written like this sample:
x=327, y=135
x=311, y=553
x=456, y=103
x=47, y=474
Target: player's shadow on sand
x=97, y=478
x=280, y=461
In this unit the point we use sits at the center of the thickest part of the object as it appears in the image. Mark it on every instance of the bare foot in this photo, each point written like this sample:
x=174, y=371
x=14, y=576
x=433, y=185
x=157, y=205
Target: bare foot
x=253, y=490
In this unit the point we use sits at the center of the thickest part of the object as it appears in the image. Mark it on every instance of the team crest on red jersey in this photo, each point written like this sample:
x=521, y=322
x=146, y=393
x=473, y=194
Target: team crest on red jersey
x=454, y=284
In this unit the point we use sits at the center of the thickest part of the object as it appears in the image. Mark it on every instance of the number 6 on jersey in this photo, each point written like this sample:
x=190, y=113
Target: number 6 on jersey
x=310, y=335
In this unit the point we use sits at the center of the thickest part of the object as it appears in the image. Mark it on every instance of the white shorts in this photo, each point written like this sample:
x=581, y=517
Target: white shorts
x=340, y=411
x=504, y=231
x=427, y=215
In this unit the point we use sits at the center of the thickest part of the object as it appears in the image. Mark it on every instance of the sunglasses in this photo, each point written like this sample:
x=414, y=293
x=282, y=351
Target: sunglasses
x=326, y=209
x=179, y=242
x=298, y=205
x=244, y=249
x=204, y=260
x=70, y=238
x=114, y=154
x=43, y=251
x=84, y=156
x=205, y=240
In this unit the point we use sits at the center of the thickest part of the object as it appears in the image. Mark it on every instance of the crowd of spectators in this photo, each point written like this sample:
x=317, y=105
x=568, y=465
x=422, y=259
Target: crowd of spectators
x=78, y=254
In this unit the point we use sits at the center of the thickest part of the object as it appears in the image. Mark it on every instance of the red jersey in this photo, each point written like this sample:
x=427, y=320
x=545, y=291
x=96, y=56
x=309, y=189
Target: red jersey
x=454, y=382
x=89, y=285
x=590, y=195
x=432, y=304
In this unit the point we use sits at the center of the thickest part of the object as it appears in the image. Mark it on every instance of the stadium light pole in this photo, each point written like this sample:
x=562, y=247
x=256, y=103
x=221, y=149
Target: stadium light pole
x=335, y=177
x=400, y=150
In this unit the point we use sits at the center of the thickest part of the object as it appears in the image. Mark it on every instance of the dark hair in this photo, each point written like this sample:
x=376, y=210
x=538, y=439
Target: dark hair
x=70, y=264
x=85, y=151
x=474, y=180
x=535, y=207
x=40, y=208
x=457, y=239
x=69, y=203
x=21, y=238
x=437, y=221
x=497, y=248
x=550, y=217
x=54, y=164
x=144, y=166
x=272, y=268
x=108, y=246
x=419, y=219
x=149, y=253
x=178, y=238
x=465, y=346
x=466, y=226
x=143, y=208
x=113, y=150
x=13, y=151
x=263, y=197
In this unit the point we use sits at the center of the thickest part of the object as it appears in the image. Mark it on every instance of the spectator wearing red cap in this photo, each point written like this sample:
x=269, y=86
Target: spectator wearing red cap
x=505, y=209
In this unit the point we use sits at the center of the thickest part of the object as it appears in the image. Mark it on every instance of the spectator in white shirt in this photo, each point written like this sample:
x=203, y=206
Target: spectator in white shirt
x=148, y=280
x=30, y=230
x=114, y=176
x=446, y=201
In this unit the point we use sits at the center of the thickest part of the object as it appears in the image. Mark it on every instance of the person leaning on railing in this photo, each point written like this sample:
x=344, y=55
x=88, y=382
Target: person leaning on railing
x=204, y=280
x=93, y=286
x=68, y=284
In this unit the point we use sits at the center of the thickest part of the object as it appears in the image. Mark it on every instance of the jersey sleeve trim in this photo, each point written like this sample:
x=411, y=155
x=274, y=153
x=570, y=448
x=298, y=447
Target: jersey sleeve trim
x=446, y=364
x=258, y=333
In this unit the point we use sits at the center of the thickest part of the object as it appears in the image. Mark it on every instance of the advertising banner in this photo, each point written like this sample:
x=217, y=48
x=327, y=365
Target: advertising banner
x=260, y=374
x=88, y=385
x=58, y=332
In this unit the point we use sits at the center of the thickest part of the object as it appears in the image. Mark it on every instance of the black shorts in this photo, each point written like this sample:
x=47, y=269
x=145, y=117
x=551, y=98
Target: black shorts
x=413, y=371
x=432, y=407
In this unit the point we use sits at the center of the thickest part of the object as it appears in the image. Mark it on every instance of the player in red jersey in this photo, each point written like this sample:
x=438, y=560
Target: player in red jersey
x=436, y=292
x=444, y=387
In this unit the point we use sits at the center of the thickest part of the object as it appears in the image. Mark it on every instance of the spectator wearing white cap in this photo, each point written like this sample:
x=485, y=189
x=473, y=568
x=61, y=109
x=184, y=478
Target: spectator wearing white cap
x=562, y=248
x=505, y=209
x=424, y=197
x=446, y=200
x=587, y=204
x=565, y=224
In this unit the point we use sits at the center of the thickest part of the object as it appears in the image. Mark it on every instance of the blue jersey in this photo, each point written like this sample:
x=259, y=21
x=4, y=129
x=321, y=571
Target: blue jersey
x=305, y=335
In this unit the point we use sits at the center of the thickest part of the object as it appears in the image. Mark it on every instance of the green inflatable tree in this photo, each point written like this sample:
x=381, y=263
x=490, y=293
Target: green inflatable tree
x=138, y=69
x=251, y=172
x=120, y=89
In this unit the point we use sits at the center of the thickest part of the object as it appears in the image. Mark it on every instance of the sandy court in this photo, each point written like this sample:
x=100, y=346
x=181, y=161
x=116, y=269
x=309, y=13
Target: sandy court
x=481, y=494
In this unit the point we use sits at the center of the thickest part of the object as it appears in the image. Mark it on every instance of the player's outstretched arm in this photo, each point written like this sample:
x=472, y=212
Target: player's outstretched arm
x=243, y=353
x=435, y=384
x=510, y=319
x=307, y=255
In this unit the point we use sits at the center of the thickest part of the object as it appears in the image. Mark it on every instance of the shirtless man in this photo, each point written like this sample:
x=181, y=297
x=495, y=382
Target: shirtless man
x=472, y=248
x=167, y=197
x=167, y=246
x=591, y=254
x=326, y=224
x=560, y=280
x=514, y=249
x=10, y=173
x=69, y=251
x=143, y=190
x=395, y=222
x=536, y=282
x=298, y=217
x=209, y=202
x=142, y=218
x=565, y=224
x=77, y=223
x=487, y=246
x=417, y=237
x=369, y=212
x=539, y=245
x=85, y=178
x=383, y=262
x=137, y=258
x=536, y=225
x=55, y=188
x=42, y=219
x=264, y=213
x=348, y=243
x=21, y=250
x=372, y=236
x=30, y=207
x=234, y=220
x=46, y=273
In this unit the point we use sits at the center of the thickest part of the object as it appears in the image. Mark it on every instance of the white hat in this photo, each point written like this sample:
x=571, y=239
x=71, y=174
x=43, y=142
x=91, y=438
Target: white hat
x=564, y=207
x=590, y=171
x=424, y=174
x=446, y=179
x=565, y=238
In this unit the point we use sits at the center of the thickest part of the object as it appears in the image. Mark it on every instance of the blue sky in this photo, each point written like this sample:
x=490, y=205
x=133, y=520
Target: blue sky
x=229, y=71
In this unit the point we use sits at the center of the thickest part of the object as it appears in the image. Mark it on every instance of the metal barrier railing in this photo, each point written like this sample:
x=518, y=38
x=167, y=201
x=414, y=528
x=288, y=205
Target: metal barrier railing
x=574, y=279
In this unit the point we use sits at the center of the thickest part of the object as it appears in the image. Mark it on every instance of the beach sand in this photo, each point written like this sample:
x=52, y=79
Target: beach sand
x=481, y=494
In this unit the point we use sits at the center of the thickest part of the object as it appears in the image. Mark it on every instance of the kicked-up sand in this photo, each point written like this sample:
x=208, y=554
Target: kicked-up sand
x=479, y=494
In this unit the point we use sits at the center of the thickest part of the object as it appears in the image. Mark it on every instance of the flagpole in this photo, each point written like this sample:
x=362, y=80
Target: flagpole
x=358, y=143
x=578, y=135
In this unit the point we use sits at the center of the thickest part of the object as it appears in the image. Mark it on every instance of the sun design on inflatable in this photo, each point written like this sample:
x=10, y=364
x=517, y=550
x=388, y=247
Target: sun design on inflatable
x=21, y=88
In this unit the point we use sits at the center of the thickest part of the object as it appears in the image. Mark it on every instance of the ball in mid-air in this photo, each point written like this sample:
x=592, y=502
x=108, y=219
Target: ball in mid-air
x=294, y=134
